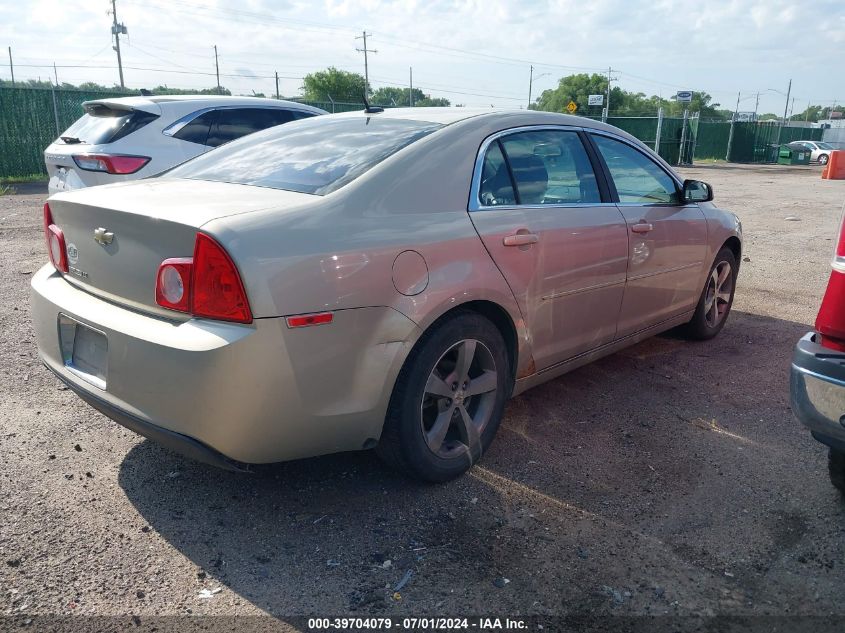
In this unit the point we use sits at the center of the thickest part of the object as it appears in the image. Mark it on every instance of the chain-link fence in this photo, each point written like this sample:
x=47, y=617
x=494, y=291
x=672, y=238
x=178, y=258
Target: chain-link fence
x=31, y=118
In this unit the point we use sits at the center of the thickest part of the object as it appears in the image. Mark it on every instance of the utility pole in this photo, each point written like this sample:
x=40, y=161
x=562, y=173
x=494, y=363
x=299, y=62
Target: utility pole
x=217, y=69
x=117, y=29
x=530, y=85
x=11, y=67
x=277, y=85
x=785, y=108
x=365, y=50
x=411, y=83
x=791, y=111
x=56, y=73
x=606, y=111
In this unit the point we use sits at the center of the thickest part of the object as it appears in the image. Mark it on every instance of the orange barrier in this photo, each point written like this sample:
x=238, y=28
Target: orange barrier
x=835, y=168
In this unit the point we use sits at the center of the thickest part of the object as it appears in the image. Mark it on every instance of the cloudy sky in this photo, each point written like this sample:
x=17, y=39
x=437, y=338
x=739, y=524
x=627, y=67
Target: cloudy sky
x=472, y=52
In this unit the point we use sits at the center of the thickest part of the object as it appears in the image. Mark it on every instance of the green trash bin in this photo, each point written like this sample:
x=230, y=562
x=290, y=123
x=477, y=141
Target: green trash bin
x=790, y=156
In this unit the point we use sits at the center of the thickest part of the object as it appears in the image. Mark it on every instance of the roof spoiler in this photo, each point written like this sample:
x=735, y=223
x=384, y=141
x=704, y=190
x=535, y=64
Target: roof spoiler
x=121, y=104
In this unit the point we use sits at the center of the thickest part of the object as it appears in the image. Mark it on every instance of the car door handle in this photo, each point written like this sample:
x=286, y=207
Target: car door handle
x=521, y=239
x=642, y=227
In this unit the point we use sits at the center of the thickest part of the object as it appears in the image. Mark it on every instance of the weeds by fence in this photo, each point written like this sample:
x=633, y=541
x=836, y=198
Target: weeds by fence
x=31, y=118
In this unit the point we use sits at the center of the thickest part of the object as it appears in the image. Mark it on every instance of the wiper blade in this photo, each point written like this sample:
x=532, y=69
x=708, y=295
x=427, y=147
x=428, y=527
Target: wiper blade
x=70, y=140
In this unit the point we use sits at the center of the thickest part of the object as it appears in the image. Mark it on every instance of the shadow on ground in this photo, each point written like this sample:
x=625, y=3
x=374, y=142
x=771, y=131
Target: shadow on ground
x=668, y=478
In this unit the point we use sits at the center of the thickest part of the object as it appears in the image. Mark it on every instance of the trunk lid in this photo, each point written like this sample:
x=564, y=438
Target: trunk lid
x=118, y=235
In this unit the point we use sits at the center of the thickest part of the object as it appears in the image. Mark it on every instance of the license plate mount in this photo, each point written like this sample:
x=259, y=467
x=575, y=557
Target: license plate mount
x=85, y=351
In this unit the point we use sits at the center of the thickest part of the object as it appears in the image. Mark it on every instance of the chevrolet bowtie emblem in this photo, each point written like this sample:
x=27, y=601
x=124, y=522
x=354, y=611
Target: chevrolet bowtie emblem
x=103, y=237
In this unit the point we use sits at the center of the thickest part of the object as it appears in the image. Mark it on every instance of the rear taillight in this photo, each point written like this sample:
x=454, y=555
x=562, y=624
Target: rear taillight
x=55, y=241
x=830, y=322
x=110, y=164
x=206, y=285
x=173, y=285
x=217, y=289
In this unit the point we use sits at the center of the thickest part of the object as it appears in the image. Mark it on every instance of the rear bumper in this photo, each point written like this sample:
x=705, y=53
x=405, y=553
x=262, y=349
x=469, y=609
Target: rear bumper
x=254, y=393
x=817, y=390
x=183, y=444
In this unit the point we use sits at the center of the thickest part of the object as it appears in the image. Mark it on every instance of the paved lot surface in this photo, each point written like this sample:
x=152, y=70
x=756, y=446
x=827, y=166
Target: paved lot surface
x=670, y=478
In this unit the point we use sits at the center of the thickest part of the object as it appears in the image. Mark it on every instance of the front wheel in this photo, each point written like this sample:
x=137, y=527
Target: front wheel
x=716, y=299
x=823, y=159
x=448, y=400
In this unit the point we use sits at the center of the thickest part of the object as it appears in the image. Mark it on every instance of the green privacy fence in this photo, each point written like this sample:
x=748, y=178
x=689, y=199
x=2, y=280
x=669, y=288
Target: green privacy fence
x=31, y=118
x=757, y=143
x=703, y=139
x=645, y=129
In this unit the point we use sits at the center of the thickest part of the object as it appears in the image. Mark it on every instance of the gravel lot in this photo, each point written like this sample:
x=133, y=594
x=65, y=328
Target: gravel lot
x=670, y=478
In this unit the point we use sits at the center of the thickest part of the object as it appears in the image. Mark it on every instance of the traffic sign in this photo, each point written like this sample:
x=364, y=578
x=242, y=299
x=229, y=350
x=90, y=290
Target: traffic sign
x=572, y=106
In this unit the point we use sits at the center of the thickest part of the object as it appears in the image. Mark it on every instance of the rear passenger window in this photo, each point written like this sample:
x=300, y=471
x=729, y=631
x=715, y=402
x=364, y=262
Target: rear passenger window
x=551, y=167
x=638, y=179
x=496, y=188
x=197, y=130
x=234, y=123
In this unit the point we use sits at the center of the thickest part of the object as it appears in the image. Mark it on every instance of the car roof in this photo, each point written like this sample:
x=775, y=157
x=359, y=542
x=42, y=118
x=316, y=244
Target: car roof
x=449, y=115
x=155, y=103
x=443, y=116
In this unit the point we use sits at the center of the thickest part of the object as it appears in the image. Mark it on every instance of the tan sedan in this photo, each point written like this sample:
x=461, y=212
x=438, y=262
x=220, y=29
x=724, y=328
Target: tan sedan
x=377, y=279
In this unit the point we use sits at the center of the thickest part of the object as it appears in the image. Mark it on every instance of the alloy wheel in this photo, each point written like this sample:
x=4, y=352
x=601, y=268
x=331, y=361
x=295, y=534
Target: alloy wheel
x=717, y=299
x=459, y=398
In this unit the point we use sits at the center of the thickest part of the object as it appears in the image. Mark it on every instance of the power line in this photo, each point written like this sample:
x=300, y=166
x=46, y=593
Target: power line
x=159, y=70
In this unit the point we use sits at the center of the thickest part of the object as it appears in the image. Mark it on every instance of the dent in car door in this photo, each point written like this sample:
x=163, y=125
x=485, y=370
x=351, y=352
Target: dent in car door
x=536, y=206
x=668, y=239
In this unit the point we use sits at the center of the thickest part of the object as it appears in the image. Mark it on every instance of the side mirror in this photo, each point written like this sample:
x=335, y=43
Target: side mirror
x=697, y=191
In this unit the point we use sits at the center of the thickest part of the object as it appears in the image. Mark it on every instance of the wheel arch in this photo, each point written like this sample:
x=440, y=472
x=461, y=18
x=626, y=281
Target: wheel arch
x=497, y=315
x=735, y=245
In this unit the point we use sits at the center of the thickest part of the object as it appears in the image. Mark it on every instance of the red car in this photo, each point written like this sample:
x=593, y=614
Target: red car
x=817, y=383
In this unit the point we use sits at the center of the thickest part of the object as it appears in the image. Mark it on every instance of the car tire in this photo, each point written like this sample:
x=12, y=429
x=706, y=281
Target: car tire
x=836, y=469
x=823, y=158
x=444, y=411
x=708, y=320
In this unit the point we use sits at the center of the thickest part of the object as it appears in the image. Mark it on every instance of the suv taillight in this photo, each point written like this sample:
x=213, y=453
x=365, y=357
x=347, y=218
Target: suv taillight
x=830, y=322
x=56, y=248
x=206, y=285
x=110, y=163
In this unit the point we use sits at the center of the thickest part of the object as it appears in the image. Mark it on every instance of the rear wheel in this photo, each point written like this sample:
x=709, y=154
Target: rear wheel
x=716, y=299
x=823, y=159
x=836, y=468
x=448, y=400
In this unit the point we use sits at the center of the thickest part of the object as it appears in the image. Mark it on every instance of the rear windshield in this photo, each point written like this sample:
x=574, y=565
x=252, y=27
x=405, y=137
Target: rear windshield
x=102, y=124
x=824, y=145
x=316, y=155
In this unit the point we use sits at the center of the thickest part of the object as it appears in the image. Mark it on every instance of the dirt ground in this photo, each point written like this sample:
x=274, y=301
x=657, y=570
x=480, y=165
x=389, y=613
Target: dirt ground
x=668, y=479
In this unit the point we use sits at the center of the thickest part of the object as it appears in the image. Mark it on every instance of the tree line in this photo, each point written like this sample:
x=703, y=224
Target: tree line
x=343, y=86
x=577, y=88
